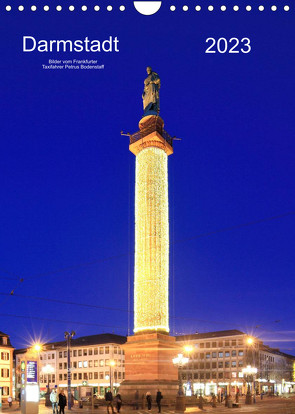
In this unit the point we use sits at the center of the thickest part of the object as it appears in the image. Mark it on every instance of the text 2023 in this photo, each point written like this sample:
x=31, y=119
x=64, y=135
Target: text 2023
x=233, y=45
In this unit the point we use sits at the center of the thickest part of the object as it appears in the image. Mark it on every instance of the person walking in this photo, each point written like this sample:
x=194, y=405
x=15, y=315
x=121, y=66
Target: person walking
x=9, y=399
x=118, y=402
x=159, y=397
x=54, y=401
x=62, y=401
x=109, y=400
x=149, y=400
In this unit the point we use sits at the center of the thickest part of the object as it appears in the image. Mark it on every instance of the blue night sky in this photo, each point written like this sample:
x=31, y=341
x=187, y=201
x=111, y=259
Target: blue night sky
x=67, y=176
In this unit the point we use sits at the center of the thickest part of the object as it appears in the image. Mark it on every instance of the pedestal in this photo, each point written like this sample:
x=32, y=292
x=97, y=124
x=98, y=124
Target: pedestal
x=149, y=367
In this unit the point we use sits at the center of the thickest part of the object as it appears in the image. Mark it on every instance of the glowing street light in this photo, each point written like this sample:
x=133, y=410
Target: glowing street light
x=37, y=347
x=250, y=340
x=179, y=362
x=188, y=349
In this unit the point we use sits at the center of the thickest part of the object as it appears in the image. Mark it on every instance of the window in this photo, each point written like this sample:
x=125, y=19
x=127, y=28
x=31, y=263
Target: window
x=207, y=344
x=119, y=375
x=196, y=376
x=79, y=352
x=234, y=343
x=119, y=362
x=60, y=365
x=85, y=364
x=89, y=351
x=115, y=350
x=4, y=372
x=214, y=354
x=75, y=376
x=60, y=377
x=75, y=364
x=220, y=354
x=201, y=355
x=75, y=353
x=207, y=355
x=53, y=377
x=207, y=375
x=207, y=365
x=220, y=375
x=41, y=357
x=119, y=350
x=60, y=354
x=4, y=340
x=96, y=363
x=226, y=364
x=220, y=364
x=80, y=364
x=107, y=362
x=233, y=364
x=241, y=353
x=5, y=356
x=227, y=375
x=240, y=363
x=234, y=375
x=65, y=354
x=101, y=350
x=65, y=365
x=90, y=364
x=85, y=352
x=49, y=356
x=101, y=362
x=107, y=349
x=202, y=365
x=202, y=375
x=226, y=343
x=233, y=353
x=96, y=375
x=214, y=345
x=52, y=356
x=220, y=344
x=201, y=345
x=80, y=375
x=196, y=366
x=213, y=364
x=65, y=376
x=227, y=354
x=85, y=376
x=95, y=351
x=90, y=375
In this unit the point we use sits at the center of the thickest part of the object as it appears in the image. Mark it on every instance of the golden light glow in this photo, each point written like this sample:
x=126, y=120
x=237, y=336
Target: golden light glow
x=151, y=242
x=112, y=363
x=250, y=341
x=188, y=349
x=37, y=347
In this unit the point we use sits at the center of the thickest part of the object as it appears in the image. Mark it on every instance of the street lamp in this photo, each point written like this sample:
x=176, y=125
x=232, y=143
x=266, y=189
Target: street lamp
x=112, y=364
x=47, y=369
x=188, y=349
x=68, y=337
x=179, y=362
x=248, y=374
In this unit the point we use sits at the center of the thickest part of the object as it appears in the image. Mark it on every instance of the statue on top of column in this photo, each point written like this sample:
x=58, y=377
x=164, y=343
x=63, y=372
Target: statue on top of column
x=150, y=96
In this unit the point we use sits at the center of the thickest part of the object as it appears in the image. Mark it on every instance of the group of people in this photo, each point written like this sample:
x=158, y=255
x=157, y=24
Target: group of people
x=58, y=400
x=110, y=400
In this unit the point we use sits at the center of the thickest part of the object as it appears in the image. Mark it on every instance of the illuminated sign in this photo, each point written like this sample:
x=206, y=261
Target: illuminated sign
x=32, y=371
x=32, y=393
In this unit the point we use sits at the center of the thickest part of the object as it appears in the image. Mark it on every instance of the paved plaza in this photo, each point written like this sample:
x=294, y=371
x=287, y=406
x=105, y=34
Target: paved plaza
x=267, y=406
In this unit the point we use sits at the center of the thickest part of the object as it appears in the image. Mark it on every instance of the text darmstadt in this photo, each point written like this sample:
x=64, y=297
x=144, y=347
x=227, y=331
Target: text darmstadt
x=30, y=44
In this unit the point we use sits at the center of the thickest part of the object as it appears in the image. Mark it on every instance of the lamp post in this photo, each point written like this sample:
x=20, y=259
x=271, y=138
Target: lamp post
x=179, y=362
x=248, y=374
x=188, y=349
x=47, y=369
x=69, y=336
x=112, y=364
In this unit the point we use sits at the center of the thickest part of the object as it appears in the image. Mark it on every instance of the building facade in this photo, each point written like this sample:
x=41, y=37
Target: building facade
x=6, y=365
x=217, y=360
x=90, y=363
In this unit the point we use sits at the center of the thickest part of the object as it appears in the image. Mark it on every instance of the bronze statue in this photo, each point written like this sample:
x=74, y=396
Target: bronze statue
x=150, y=96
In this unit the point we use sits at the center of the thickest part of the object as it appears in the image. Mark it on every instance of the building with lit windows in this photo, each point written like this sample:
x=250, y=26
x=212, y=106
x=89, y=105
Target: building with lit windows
x=217, y=360
x=90, y=363
x=6, y=365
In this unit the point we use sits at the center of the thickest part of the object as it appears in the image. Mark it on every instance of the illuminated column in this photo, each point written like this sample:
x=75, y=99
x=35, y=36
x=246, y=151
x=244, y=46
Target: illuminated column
x=151, y=145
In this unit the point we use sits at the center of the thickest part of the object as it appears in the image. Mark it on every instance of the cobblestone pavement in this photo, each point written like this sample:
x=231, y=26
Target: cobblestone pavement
x=267, y=406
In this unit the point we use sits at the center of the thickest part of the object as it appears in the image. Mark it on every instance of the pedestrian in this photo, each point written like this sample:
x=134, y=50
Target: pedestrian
x=136, y=399
x=118, y=402
x=62, y=401
x=19, y=398
x=109, y=399
x=149, y=400
x=221, y=397
x=54, y=401
x=9, y=399
x=158, y=400
x=254, y=397
x=213, y=400
x=237, y=397
x=261, y=395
